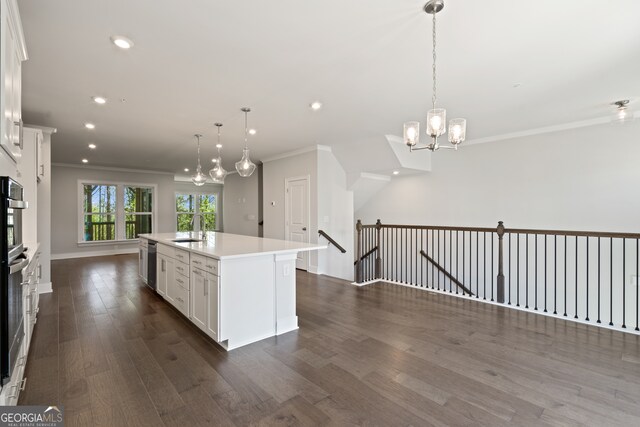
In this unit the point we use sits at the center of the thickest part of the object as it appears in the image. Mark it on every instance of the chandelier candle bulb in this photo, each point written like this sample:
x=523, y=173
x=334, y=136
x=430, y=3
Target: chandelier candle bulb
x=457, y=131
x=218, y=173
x=436, y=122
x=412, y=133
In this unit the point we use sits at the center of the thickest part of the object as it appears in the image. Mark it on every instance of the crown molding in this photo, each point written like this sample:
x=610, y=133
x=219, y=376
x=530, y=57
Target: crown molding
x=114, y=169
x=45, y=129
x=298, y=152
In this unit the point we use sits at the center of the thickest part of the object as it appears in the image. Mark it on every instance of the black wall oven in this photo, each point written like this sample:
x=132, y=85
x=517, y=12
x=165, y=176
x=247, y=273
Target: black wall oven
x=12, y=264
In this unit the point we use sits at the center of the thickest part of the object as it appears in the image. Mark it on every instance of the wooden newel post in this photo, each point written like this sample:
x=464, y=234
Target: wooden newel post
x=358, y=272
x=379, y=251
x=500, y=290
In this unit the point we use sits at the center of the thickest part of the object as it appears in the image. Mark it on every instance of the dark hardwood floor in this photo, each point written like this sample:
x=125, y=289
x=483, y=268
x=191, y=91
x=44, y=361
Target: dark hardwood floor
x=113, y=353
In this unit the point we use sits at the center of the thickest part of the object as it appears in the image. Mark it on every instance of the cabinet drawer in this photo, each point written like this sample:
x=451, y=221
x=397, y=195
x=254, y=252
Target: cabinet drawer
x=205, y=263
x=181, y=300
x=182, y=268
x=181, y=255
x=182, y=281
x=165, y=250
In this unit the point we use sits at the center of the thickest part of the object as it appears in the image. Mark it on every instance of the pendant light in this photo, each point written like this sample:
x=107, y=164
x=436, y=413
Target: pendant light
x=218, y=173
x=199, y=179
x=623, y=113
x=245, y=166
x=436, y=117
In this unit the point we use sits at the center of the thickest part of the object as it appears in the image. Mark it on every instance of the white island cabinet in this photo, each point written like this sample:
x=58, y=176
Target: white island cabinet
x=236, y=289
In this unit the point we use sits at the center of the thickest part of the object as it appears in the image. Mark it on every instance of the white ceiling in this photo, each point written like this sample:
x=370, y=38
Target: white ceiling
x=195, y=63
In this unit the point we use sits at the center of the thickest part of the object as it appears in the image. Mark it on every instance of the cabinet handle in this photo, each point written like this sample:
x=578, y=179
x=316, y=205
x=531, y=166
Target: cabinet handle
x=39, y=271
x=20, y=142
x=197, y=262
x=162, y=267
x=42, y=170
x=206, y=287
x=209, y=266
x=18, y=388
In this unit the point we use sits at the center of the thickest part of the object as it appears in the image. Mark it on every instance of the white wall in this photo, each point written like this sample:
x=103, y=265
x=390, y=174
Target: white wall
x=582, y=179
x=335, y=216
x=241, y=204
x=274, y=174
x=64, y=207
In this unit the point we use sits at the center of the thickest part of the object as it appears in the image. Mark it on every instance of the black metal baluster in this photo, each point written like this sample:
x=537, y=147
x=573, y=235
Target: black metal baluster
x=624, y=288
x=545, y=273
x=526, y=270
x=493, y=278
x=518, y=269
x=576, y=312
x=535, y=280
x=565, y=275
x=587, y=311
x=433, y=270
x=464, y=256
x=410, y=255
x=611, y=282
x=637, y=280
x=555, y=274
x=484, y=269
x=477, y=264
x=457, y=258
x=422, y=261
x=509, y=268
x=599, y=262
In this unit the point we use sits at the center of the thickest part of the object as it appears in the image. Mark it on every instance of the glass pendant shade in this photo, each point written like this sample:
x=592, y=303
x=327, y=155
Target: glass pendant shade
x=218, y=173
x=436, y=122
x=199, y=179
x=622, y=115
x=245, y=166
x=457, y=131
x=412, y=133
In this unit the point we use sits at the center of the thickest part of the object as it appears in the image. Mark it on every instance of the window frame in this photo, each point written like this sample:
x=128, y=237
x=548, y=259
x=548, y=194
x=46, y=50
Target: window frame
x=196, y=196
x=120, y=214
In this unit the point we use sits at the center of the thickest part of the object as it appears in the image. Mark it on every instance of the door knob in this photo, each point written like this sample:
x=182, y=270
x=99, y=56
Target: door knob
x=304, y=228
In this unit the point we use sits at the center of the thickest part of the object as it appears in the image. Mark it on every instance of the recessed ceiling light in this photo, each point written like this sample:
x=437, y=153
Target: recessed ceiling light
x=89, y=125
x=85, y=161
x=122, y=42
x=99, y=100
x=92, y=146
x=186, y=169
x=252, y=132
x=316, y=105
x=396, y=172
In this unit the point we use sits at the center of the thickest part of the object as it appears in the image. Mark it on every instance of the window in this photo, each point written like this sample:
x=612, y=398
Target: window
x=190, y=205
x=99, y=212
x=112, y=212
x=137, y=207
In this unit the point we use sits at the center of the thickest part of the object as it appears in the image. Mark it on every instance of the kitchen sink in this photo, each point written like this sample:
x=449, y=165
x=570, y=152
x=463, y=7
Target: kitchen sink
x=186, y=240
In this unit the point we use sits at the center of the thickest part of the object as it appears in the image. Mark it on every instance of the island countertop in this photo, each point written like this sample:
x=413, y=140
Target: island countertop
x=225, y=245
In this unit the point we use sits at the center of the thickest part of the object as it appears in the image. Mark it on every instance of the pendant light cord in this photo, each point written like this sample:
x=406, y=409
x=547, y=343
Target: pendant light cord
x=246, y=131
x=433, y=34
x=198, y=137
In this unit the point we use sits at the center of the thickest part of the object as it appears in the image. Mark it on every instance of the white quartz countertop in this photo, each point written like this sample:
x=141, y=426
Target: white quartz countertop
x=225, y=245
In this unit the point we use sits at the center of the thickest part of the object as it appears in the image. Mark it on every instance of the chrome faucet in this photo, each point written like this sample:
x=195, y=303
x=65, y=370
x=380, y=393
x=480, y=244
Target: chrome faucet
x=202, y=225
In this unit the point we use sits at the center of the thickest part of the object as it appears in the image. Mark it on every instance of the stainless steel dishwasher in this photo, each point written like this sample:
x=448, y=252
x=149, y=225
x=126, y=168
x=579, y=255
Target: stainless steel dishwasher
x=151, y=264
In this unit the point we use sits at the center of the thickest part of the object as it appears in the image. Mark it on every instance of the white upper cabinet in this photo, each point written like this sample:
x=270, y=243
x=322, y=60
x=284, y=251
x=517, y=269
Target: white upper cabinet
x=12, y=53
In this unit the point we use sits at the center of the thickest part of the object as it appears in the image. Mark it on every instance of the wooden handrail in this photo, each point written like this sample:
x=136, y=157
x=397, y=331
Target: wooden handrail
x=615, y=235
x=333, y=242
x=363, y=257
x=445, y=272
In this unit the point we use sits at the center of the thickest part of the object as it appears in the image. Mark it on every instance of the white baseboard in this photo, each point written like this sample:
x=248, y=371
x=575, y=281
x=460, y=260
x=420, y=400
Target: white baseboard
x=313, y=269
x=87, y=254
x=45, y=288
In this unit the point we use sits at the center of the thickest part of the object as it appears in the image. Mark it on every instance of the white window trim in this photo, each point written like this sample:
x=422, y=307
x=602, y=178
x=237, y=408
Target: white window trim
x=120, y=213
x=196, y=226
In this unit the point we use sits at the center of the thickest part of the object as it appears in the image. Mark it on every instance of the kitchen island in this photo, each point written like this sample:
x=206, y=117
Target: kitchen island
x=237, y=289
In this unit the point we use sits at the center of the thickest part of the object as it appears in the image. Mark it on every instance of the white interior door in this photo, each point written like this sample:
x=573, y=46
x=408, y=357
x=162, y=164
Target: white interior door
x=297, y=216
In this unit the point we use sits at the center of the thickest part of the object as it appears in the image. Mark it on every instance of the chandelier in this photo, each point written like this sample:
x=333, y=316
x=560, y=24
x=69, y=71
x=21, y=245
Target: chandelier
x=199, y=178
x=436, y=117
x=245, y=166
x=218, y=173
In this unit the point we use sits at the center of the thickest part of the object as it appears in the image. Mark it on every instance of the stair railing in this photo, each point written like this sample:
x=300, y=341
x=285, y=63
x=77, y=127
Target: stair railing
x=586, y=276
